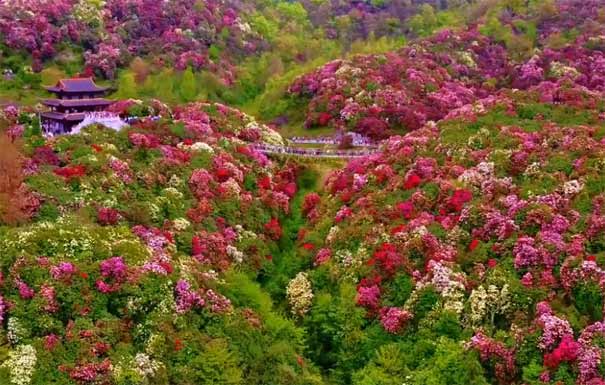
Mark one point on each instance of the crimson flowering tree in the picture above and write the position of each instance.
(17, 203)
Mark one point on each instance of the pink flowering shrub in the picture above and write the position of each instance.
(393, 319)
(91, 372)
(368, 296)
(504, 357)
(114, 272)
(186, 299)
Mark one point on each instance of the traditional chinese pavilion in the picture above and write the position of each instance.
(75, 98)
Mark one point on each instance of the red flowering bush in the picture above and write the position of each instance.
(273, 229)
(388, 258)
(71, 172)
(310, 202)
(108, 216)
(567, 351)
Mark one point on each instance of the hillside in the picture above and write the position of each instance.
(155, 47)
(529, 48)
(456, 240)
(121, 222)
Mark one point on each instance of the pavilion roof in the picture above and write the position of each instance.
(76, 85)
(76, 116)
(77, 102)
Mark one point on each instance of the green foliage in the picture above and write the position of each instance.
(266, 28)
(427, 299)
(399, 289)
(531, 373)
(450, 365)
(214, 52)
(293, 12)
(48, 212)
(588, 299)
(386, 368)
(334, 327)
(448, 325)
(127, 86)
(51, 75)
(561, 163)
(188, 89)
(424, 22)
(215, 365)
(564, 375)
(496, 30)
(163, 85)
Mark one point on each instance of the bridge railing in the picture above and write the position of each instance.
(105, 118)
(312, 152)
(357, 140)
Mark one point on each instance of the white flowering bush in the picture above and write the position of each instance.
(486, 304)
(300, 294)
(21, 364)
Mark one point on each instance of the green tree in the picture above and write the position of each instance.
(127, 85)
(425, 21)
(450, 365)
(163, 85)
(387, 368)
(188, 87)
(266, 28)
(216, 365)
(294, 11)
(589, 300)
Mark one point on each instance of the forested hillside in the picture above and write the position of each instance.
(150, 47)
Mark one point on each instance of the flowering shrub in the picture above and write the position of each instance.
(108, 216)
(566, 351)
(21, 364)
(394, 319)
(300, 294)
(273, 229)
